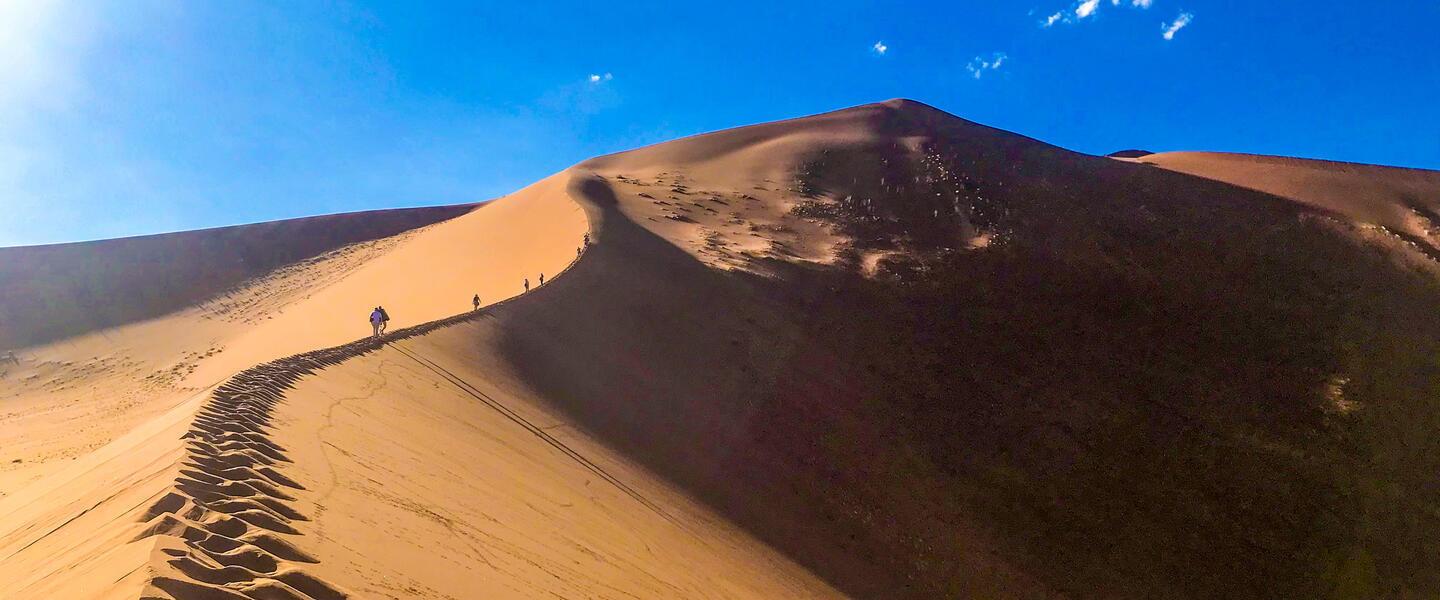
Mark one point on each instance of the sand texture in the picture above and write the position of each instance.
(882, 352)
(1406, 202)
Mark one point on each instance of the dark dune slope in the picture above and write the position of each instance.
(1147, 385)
(57, 291)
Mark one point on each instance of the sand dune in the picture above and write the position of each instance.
(216, 516)
(1406, 201)
(1039, 341)
(80, 392)
(489, 253)
(62, 290)
(878, 353)
(476, 488)
(72, 400)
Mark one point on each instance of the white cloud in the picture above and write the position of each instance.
(978, 66)
(596, 78)
(1179, 23)
(1085, 9)
(879, 48)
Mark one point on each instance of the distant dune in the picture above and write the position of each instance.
(61, 290)
(1406, 201)
(881, 352)
(1129, 154)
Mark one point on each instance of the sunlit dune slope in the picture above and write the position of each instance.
(90, 426)
(61, 290)
(346, 471)
(1406, 201)
(73, 395)
(74, 533)
(490, 253)
(431, 470)
(882, 352)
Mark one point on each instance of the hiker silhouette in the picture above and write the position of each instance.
(476, 301)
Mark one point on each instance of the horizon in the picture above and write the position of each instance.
(170, 118)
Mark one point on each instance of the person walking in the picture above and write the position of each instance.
(376, 318)
(527, 285)
(384, 319)
(476, 301)
(542, 279)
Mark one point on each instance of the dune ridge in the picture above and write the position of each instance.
(90, 425)
(71, 396)
(1400, 201)
(218, 528)
(882, 352)
(221, 532)
(1059, 346)
(61, 290)
(236, 523)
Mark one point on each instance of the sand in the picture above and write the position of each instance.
(96, 386)
(1404, 201)
(122, 494)
(474, 489)
(717, 399)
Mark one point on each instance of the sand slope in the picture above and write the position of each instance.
(935, 359)
(62, 290)
(71, 396)
(475, 489)
(338, 471)
(489, 252)
(1406, 201)
(79, 397)
(880, 353)
(72, 534)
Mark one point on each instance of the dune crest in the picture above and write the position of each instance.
(71, 410)
(1403, 201)
(223, 513)
(882, 352)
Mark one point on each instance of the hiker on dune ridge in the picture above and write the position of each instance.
(376, 318)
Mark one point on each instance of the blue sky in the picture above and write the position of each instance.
(134, 117)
